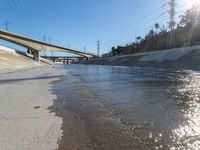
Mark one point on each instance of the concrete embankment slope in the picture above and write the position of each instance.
(186, 58)
(11, 61)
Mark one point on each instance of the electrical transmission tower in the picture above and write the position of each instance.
(98, 48)
(172, 23)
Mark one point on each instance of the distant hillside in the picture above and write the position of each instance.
(11, 61)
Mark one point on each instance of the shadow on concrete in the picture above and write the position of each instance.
(28, 79)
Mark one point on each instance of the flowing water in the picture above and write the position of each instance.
(160, 106)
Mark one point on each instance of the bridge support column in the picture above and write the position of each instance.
(87, 59)
(36, 55)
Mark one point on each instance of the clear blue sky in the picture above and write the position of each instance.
(81, 22)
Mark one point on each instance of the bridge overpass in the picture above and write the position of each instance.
(37, 46)
(64, 59)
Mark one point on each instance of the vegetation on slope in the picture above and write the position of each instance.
(186, 33)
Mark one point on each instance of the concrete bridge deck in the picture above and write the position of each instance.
(36, 46)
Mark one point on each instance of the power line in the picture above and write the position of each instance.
(162, 14)
(8, 13)
(172, 13)
(138, 28)
(143, 19)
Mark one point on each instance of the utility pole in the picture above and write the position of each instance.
(85, 50)
(50, 43)
(98, 47)
(44, 39)
(6, 24)
(172, 23)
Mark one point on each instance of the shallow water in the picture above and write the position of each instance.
(160, 106)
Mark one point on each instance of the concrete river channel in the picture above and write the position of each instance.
(122, 108)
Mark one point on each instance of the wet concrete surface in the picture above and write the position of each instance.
(121, 108)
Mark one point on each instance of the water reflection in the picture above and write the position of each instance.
(160, 106)
(187, 135)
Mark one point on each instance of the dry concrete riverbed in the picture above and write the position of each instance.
(26, 123)
(80, 107)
